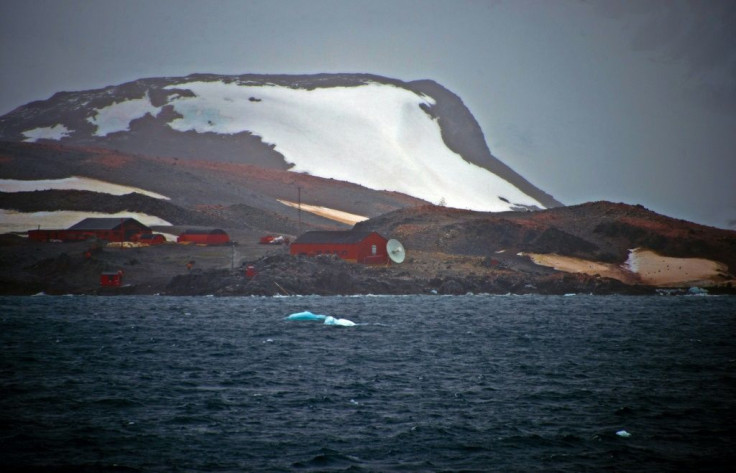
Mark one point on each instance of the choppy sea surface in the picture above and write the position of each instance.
(421, 383)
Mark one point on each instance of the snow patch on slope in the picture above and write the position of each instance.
(12, 221)
(73, 183)
(117, 117)
(55, 132)
(658, 270)
(373, 135)
(326, 212)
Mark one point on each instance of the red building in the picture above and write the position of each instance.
(360, 247)
(204, 237)
(109, 229)
(111, 279)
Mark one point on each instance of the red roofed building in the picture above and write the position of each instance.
(108, 228)
(360, 247)
(111, 279)
(204, 237)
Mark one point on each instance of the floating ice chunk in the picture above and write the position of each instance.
(623, 433)
(306, 315)
(697, 291)
(330, 320)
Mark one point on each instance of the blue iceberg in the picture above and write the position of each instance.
(306, 315)
(328, 319)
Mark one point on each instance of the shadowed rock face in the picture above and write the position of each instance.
(462, 134)
(248, 193)
(151, 135)
(596, 231)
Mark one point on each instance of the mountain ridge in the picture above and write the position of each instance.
(598, 247)
(74, 118)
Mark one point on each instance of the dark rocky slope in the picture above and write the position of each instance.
(448, 252)
(600, 231)
(151, 135)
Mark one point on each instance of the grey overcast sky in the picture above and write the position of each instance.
(624, 100)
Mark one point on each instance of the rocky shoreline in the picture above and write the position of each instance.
(56, 269)
(286, 275)
(28, 268)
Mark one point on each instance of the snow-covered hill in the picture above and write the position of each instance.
(415, 138)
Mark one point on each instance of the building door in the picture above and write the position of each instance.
(373, 250)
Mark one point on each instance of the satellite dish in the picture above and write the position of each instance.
(396, 251)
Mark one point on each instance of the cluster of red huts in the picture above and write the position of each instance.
(125, 229)
(354, 246)
(360, 247)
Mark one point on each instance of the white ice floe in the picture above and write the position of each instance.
(55, 132)
(73, 183)
(117, 117)
(12, 221)
(330, 320)
(374, 135)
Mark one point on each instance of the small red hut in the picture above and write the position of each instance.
(108, 228)
(360, 247)
(204, 237)
(111, 279)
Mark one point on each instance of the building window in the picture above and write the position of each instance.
(373, 250)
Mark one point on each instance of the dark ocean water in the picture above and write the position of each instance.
(471, 383)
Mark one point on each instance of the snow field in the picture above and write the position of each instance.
(11, 221)
(374, 135)
(73, 183)
(660, 270)
(55, 132)
(117, 117)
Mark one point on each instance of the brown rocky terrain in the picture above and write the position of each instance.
(598, 231)
(192, 183)
(449, 251)
(62, 268)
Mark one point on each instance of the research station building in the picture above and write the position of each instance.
(359, 247)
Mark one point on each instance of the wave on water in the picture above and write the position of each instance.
(543, 383)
